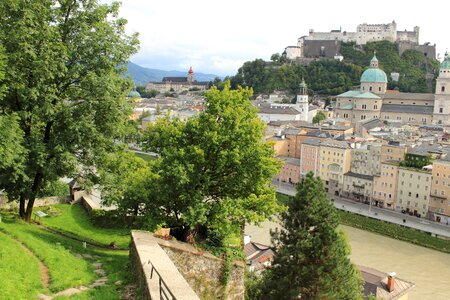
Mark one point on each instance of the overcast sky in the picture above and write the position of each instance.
(218, 36)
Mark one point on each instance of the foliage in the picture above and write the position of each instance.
(54, 188)
(332, 77)
(253, 286)
(146, 93)
(125, 180)
(145, 114)
(311, 258)
(65, 87)
(412, 64)
(148, 158)
(74, 221)
(395, 231)
(416, 161)
(283, 199)
(214, 170)
(18, 285)
(320, 116)
(323, 76)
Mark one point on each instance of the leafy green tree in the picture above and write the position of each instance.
(311, 259)
(215, 170)
(65, 87)
(146, 94)
(320, 116)
(125, 180)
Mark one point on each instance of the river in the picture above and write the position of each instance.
(428, 269)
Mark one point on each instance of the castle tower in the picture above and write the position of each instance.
(190, 77)
(374, 79)
(302, 104)
(441, 113)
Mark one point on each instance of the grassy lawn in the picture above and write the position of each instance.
(74, 221)
(65, 269)
(15, 284)
(20, 275)
(145, 157)
(394, 231)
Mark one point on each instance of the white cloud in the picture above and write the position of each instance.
(216, 37)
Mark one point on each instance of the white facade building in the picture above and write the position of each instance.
(441, 114)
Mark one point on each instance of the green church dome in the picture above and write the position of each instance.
(134, 94)
(374, 75)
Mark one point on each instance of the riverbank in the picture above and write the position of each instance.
(394, 231)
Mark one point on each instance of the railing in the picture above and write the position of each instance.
(164, 291)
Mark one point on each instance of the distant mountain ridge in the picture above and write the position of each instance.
(141, 76)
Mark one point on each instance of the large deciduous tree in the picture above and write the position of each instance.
(311, 259)
(64, 86)
(215, 169)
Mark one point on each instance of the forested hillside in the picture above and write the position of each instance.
(331, 77)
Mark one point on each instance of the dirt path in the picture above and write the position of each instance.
(45, 277)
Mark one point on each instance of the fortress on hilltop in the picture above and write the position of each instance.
(328, 44)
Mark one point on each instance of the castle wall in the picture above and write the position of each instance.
(321, 48)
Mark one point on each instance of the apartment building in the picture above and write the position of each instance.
(385, 185)
(439, 209)
(334, 162)
(413, 190)
(310, 156)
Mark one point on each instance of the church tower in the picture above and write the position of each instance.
(441, 113)
(302, 104)
(190, 78)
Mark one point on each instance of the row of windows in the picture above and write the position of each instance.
(415, 204)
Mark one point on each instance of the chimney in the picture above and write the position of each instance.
(391, 282)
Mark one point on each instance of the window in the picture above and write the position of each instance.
(409, 194)
(441, 110)
(442, 88)
(375, 107)
(379, 88)
(364, 106)
(370, 88)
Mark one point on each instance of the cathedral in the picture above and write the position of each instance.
(178, 84)
(374, 101)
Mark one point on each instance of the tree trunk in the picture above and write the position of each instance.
(34, 189)
(22, 205)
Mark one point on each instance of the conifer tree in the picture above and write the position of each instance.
(311, 259)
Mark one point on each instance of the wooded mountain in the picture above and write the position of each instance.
(142, 76)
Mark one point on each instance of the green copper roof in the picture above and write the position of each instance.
(374, 75)
(446, 63)
(349, 94)
(374, 58)
(134, 94)
(367, 95)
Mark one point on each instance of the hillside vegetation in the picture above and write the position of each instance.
(331, 77)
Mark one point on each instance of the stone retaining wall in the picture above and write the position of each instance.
(148, 258)
(37, 202)
(201, 270)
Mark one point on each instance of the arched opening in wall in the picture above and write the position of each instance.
(379, 88)
(442, 88)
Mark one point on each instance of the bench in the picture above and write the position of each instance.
(40, 214)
